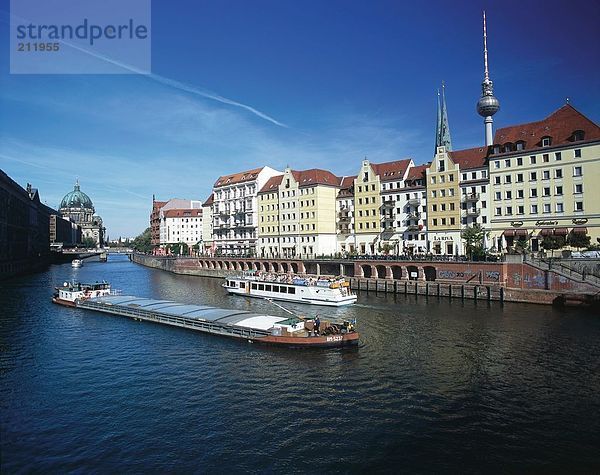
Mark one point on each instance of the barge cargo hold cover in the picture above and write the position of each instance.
(255, 327)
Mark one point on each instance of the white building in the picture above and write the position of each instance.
(181, 226)
(346, 237)
(235, 210)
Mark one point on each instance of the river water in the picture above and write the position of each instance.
(436, 385)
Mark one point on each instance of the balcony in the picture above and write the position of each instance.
(473, 211)
(414, 215)
(345, 218)
(388, 204)
(471, 197)
(414, 227)
(414, 201)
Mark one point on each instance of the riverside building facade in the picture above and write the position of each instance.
(234, 211)
(544, 177)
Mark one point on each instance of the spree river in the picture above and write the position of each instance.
(436, 385)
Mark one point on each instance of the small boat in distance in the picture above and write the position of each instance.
(316, 291)
(76, 263)
(72, 292)
(288, 331)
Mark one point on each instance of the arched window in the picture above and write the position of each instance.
(578, 135)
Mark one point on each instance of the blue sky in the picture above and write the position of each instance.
(340, 80)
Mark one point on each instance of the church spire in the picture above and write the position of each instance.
(442, 133)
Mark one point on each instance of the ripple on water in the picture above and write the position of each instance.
(434, 386)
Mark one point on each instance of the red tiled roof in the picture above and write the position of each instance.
(241, 177)
(315, 176)
(312, 177)
(470, 157)
(182, 213)
(271, 184)
(391, 170)
(417, 172)
(210, 200)
(347, 181)
(559, 125)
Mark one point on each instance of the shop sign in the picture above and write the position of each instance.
(516, 224)
(580, 220)
(546, 223)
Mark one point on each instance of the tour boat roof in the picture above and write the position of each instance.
(200, 312)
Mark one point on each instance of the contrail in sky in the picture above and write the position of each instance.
(178, 85)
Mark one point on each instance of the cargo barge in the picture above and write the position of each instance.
(293, 331)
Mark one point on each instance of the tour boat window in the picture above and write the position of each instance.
(261, 286)
(268, 288)
(254, 287)
(275, 288)
(291, 290)
(242, 285)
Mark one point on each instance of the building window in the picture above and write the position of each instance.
(507, 179)
(557, 156)
(520, 209)
(520, 145)
(534, 209)
(532, 160)
(464, 176)
(519, 161)
(546, 175)
(579, 206)
(441, 166)
(547, 208)
(450, 177)
(433, 208)
(546, 191)
(497, 180)
(578, 188)
(546, 158)
(498, 211)
(577, 153)
(507, 163)
(533, 193)
(533, 176)
(443, 221)
(559, 208)
(519, 178)
(497, 164)
(435, 221)
(546, 141)
(559, 190)
(520, 194)
(577, 171)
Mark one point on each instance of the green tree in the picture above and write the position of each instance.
(88, 242)
(522, 245)
(473, 237)
(142, 243)
(579, 240)
(552, 243)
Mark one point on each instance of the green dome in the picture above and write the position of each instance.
(76, 199)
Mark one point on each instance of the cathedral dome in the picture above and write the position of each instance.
(76, 199)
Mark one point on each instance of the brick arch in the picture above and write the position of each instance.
(397, 272)
(294, 267)
(265, 266)
(366, 270)
(411, 270)
(380, 271)
(256, 266)
(430, 273)
(275, 266)
(284, 267)
(214, 264)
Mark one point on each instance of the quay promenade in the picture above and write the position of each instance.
(514, 279)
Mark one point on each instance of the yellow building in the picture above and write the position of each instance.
(544, 180)
(297, 214)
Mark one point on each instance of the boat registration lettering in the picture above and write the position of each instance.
(335, 338)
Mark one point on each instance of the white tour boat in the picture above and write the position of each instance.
(321, 291)
(76, 263)
(72, 292)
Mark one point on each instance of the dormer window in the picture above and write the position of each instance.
(496, 149)
(578, 135)
(508, 147)
(546, 141)
(520, 145)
